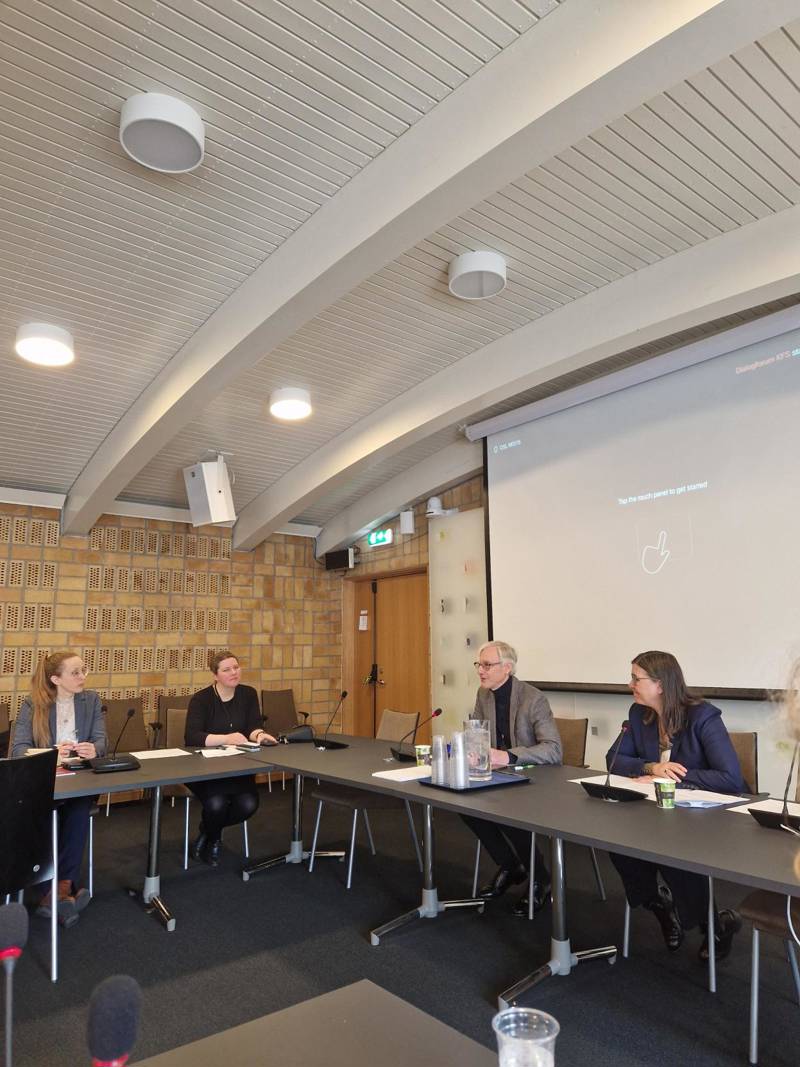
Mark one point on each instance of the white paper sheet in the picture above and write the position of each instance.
(769, 805)
(160, 753)
(684, 798)
(404, 774)
(225, 750)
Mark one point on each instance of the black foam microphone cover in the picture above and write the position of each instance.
(13, 926)
(113, 1024)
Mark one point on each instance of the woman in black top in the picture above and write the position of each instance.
(226, 713)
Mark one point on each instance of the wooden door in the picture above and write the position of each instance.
(393, 651)
(403, 647)
(363, 694)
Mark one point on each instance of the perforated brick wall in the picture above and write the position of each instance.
(143, 602)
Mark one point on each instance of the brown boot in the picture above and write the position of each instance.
(67, 912)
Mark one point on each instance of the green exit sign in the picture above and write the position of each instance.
(380, 537)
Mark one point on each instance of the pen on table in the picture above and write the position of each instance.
(512, 768)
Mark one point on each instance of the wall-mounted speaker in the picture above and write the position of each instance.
(208, 489)
(344, 560)
(407, 522)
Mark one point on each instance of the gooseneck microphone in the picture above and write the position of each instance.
(623, 730)
(325, 743)
(113, 1025)
(125, 762)
(605, 790)
(13, 938)
(400, 753)
(789, 822)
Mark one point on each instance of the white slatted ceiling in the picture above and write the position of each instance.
(296, 98)
(379, 473)
(713, 154)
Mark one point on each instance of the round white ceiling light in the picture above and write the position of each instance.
(477, 275)
(162, 133)
(290, 404)
(49, 346)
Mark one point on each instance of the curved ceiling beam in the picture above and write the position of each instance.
(584, 65)
(451, 465)
(735, 271)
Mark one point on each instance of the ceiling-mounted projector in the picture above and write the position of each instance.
(208, 489)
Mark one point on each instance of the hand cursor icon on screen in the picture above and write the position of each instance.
(655, 556)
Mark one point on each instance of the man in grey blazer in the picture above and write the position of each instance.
(522, 730)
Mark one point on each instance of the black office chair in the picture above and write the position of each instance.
(30, 834)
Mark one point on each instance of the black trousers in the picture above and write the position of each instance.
(689, 890)
(73, 829)
(226, 802)
(507, 845)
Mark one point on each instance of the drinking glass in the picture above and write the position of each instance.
(526, 1037)
(478, 739)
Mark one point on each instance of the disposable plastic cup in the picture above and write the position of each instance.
(526, 1037)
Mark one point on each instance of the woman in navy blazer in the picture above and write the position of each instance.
(672, 734)
(60, 713)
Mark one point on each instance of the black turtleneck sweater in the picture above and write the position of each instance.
(502, 717)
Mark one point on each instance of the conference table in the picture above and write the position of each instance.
(155, 772)
(710, 842)
(713, 842)
(355, 1026)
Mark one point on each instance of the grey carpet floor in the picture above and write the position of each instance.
(242, 950)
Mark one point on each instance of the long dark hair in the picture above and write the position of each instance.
(676, 698)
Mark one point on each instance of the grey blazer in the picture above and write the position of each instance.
(534, 734)
(89, 723)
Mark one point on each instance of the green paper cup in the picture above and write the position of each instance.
(665, 793)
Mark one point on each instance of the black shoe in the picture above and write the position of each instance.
(541, 894)
(213, 852)
(728, 923)
(669, 921)
(198, 845)
(502, 880)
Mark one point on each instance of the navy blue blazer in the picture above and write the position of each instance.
(703, 747)
(89, 723)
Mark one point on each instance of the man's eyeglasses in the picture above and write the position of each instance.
(480, 666)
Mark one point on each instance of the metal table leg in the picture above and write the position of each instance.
(54, 903)
(296, 853)
(152, 882)
(430, 905)
(562, 958)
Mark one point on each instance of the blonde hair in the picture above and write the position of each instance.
(43, 693)
(215, 658)
(506, 653)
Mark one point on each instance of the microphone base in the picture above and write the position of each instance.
(325, 744)
(612, 793)
(775, 820)
(403, 755)
(109, 764)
